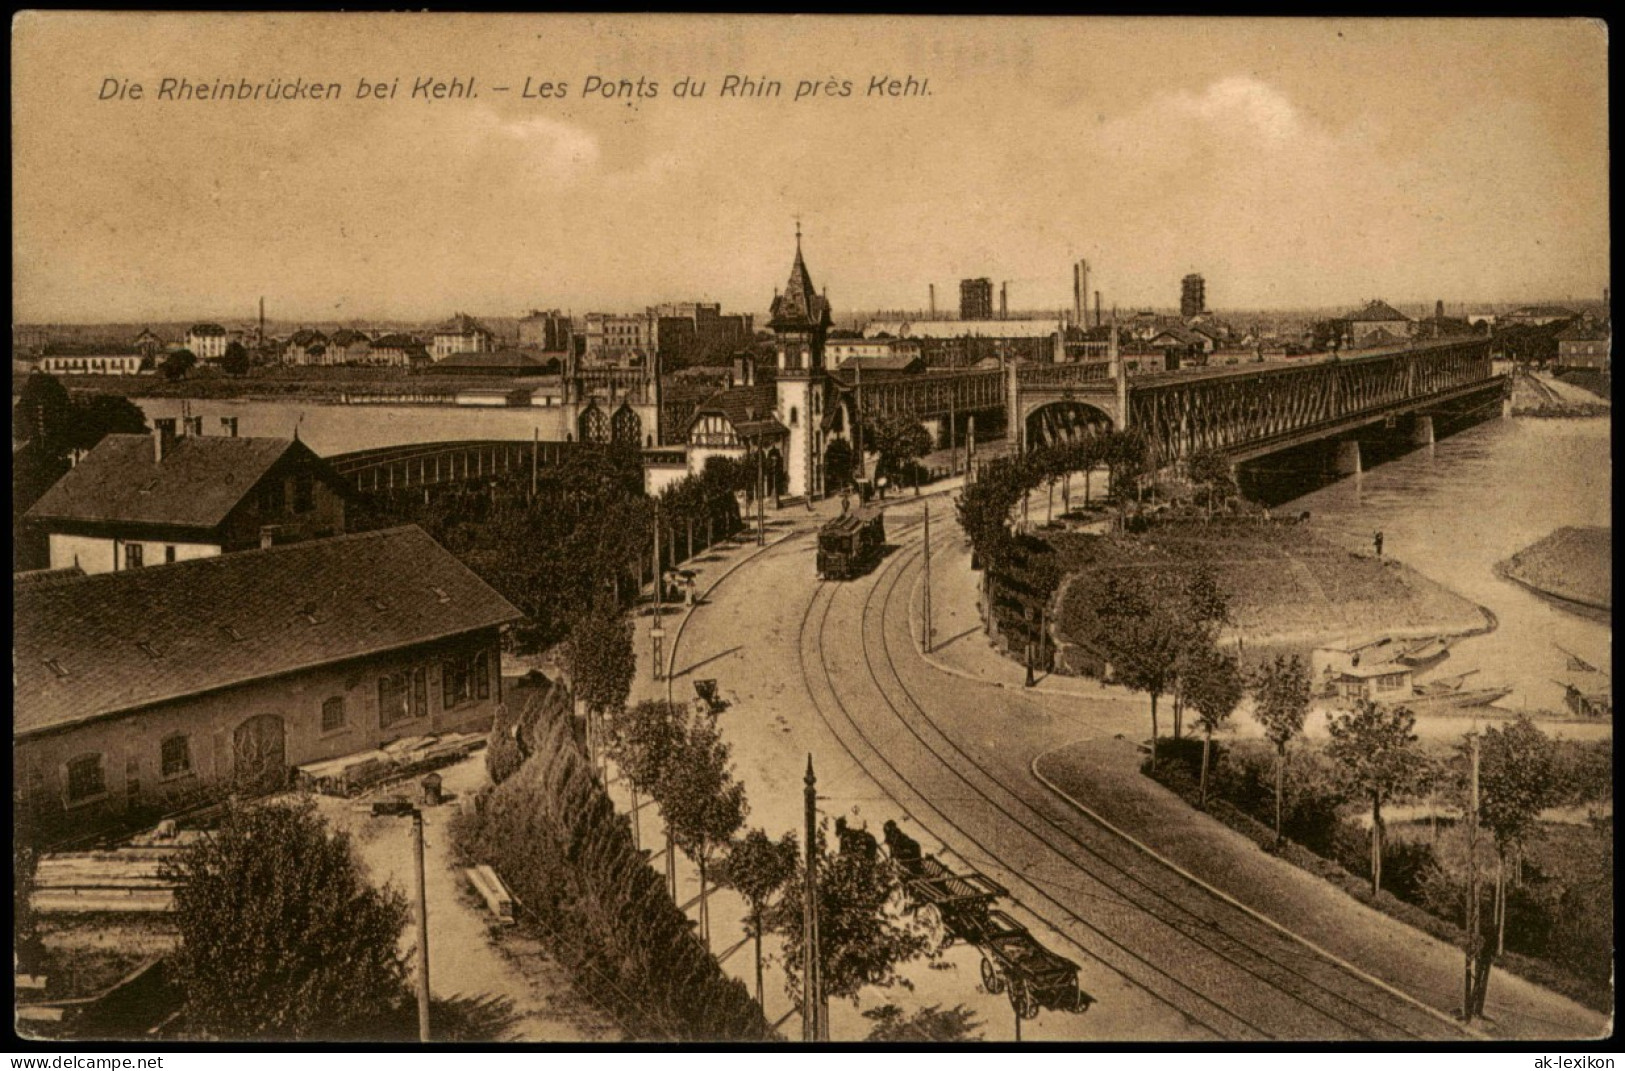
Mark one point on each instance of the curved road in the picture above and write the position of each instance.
(1169, 957)
(1197, 953)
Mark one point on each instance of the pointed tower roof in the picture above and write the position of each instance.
(800, 305)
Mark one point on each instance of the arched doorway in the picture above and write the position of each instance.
(626, 427)
(1065, 421)
(259, 755)
(593, 425)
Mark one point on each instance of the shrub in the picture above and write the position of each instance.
(281, 936)
(552, 833)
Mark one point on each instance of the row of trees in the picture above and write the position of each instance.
(582, 537)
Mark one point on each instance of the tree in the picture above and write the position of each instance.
(1210, 470)
(931, 1024)
(1515, 784)
(644, 740)
(839, 464)
(861, 940)
(1377, 749)
(1281, 703)
(235, 361)
(1212, 685)
(43, 414)
(602, 665)
(758, 867)
(178, 364)
(703, 805)
(899, 439)
(99, 415)
(1144, 651)
(281, 937)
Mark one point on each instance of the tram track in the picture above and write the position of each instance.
(1217, 953)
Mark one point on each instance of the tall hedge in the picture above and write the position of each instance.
(553, 835)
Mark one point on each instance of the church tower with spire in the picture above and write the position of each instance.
(800, 320)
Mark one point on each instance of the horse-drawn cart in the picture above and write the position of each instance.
(1014, 961)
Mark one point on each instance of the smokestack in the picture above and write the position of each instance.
(1077, 296)
(1097, 308)
(1004, 301)
(933, 301)
(1438, 309)
(163, 437)
(261, 339)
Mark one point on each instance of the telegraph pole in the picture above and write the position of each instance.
(925, 629)
(761, 506)
(423, 929)
(812, 1026)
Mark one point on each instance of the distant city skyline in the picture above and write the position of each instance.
(1303, 164)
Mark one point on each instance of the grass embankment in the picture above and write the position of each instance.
(1576, 564)
(1559, 930)
(1289, 589)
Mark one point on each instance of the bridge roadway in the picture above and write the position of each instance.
(1245, 410)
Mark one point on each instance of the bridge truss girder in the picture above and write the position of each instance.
(1235, 414)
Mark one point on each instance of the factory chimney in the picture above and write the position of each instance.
(260, 339)
(1080, 293)
(1004, 301)
(933, 301)
(1097, 308)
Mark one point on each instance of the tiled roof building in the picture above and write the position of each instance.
(133, 689)
(138, 500)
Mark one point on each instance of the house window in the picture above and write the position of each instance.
(391, 700)
(465, 679)
(271, 497)
(420, 693)
(175, 756)
(333, 714)
(304, 493)
(169, 553)
(85, 779)
(133, 555)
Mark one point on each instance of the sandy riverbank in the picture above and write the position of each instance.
(1573, 565)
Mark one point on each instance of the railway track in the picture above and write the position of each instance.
(1194, 952)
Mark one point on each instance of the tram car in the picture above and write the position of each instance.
(851, 544)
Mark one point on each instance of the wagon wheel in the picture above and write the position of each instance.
(1024, 1000)
(991, 978)
(931, 916)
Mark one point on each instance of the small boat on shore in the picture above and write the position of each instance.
(1451, 694)
(1425, 653)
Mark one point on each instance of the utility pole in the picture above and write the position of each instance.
(423, 929)
(761, 506)
(535, 449)
(812, 1026)
(925, 629)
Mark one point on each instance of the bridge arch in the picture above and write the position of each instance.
(626, 427)
(593, 425)
(1064, 420)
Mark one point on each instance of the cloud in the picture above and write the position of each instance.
(1240, 103)
(556, 145)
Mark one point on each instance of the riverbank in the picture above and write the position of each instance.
(1289, 589)
(1572, 565)
(316, 385)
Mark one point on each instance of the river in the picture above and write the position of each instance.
(1456, 509)
(332, 429)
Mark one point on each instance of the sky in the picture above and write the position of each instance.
(1293, 163)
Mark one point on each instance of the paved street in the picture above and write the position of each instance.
(946, 745)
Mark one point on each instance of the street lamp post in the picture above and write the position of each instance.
(423, 928)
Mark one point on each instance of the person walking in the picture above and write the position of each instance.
(1376, 541)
